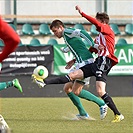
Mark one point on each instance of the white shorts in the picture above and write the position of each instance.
(78, 65)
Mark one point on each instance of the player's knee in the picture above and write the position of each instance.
(100, 86)
(76, 92)
(100, 91)
(67, 88)
(77, 74)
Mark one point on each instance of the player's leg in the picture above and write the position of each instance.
(77, 74)
(75, 99)
(10, 39)
(102, 67)
(82, 93)
(15, 83)
(3, 124)
(108, 100)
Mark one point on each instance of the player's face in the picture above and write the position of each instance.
(57, 31)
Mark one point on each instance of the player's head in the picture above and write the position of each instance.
(102, 17)
(57, 27)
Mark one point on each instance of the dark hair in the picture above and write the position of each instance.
(103, 17)
(56, 23)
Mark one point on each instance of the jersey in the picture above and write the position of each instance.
(106, 38)
(74, 41)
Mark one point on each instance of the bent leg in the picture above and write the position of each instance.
(75, 99)
(77, 90)
(77, 74)
(5, 85)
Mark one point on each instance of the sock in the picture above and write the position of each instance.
(91, 97)
(58, 80)
(4, 85)
(108, 100)
(76, 101)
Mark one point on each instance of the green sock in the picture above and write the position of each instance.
(91, 97)
(76, 101)
(4, 85)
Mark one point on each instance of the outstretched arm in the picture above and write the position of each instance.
(89, 18)
(70, 63)
(10, 39)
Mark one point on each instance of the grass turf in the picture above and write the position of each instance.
(46, 115)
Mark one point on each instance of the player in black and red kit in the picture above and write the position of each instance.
(106, 58)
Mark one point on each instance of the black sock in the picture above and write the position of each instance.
(58, 80)
(108, 100)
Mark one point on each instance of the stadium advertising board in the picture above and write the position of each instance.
(26, 58)
(123, 53)
(125, 59)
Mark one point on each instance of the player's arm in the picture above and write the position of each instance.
(96, 48)
(79, 33)
(84, 34)
(92, 49)
(10, 39)
(89, 18)
(70, 63)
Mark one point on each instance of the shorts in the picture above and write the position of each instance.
(100, 68)
(85, 81)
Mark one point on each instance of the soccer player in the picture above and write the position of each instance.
(103, 63)
(11, 41)
(106, 58)
(82, 56)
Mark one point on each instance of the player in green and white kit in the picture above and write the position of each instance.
(74, 42)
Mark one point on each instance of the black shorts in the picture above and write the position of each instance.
(100, 68)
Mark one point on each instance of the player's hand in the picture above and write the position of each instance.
(79, 9)
(70, 64)
(91, 49)
(38, 81)
(100, 47)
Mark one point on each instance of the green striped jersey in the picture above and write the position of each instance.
(74, 39)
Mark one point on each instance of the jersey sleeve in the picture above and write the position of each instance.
(87, 37)
(103, 28)
(71, 32)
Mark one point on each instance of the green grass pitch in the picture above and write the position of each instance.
(47, 115)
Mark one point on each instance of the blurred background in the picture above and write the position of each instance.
(31, 20)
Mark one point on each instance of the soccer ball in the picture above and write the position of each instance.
(41, 72)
